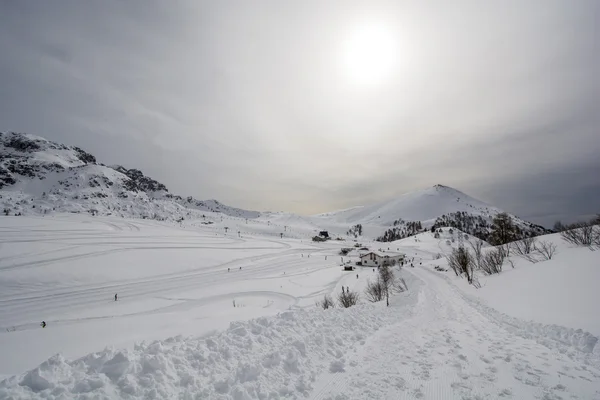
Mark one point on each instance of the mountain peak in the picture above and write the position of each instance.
(39, 176)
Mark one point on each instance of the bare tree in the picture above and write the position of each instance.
(374, 291)
(347, 298)
(546, 249)
(461, 262)
(386, 277)
(326, 302)
(503, 229)
(558, 227)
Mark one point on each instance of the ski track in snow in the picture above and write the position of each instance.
(15, 309)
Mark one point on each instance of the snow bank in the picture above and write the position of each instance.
(553, 302)
(265, 358)
(562, 291)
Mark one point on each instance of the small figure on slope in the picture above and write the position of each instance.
(43, 324)
(116, 297)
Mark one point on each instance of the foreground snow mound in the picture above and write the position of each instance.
(266, 358)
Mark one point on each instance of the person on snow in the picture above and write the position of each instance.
(115, 297)
(43, 324)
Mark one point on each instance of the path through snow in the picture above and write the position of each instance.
(447, 347)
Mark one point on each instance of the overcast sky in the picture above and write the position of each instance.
(258, 104)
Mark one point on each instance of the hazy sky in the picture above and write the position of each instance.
(290, 105)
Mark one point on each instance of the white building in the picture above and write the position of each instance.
(378, 258)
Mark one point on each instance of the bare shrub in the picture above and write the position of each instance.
(461, 262)
(374, 291)
(326, 302)
(492, 261)
(525, 248)
(546, 249)
(347, 298)
(580, 234)
(477, 245)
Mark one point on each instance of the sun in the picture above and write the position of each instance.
(369, 54)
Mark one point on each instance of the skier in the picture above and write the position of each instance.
(115, 297)
(43, 324)
(228, 269)
(356, 276)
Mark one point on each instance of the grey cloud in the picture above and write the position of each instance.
(245, 102)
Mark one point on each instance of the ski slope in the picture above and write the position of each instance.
(175, 333)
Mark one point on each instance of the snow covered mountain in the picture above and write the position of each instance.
(38, 176)
(419, 205)
(437, 206)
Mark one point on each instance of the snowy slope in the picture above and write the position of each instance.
(420, 205)
(41, 177)
(560, 291)
(437, 341)
(438, 205)
(38, 176)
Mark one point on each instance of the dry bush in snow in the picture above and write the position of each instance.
(326, 303)
(525, 248)
(477, 245)
(347, 298)
(492, 261)
(581, 234)
(461, 262)
(374, 291)
(546, 249)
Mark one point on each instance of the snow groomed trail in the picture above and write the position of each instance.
(432, 343)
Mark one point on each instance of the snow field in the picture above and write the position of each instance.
(440, 340)
(170, 280)
(265, 358)
(449, 348)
